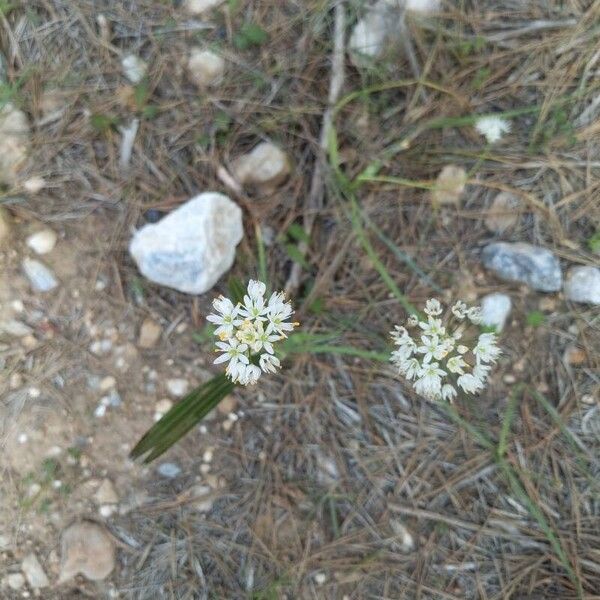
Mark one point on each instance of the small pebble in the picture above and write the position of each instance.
(320, 578)
(40, 277)
(177, 387)
(169, 470)
(208, 455)
(33, 185)
(574, 355)
(134, 68)
(34, 573)
(15, 581)
(150, 332)
(34, 392)
(101, 347)
(16, 381)
(42, 242)
(107, 383)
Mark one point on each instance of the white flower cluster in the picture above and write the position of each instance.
(248, 331)
(442, 361)
(492, 128)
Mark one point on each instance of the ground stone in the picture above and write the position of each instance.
(265, 166)
(34, 573)
(193, 246)
(14, 142)
(42, 241)
(40, 277)
(168, 470)
(15, 581)
(177, 387)
(150, 333)
(449, 185)
(495, 309)
(106, 493)
(15, 328)
(503, 213)
(199, 7)
(202, 500)
(205, 68)
(583, 285)
(368, 38)
(87, 549)
(537, 267)
(134, 68)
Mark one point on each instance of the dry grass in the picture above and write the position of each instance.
(334, 457)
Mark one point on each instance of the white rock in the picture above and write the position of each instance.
(495, 309)
(368, 38)
(198, 7)
(40, 277)
(327, 471)
(202, 500)
(582, 284)
(193, 246)
(266, 165)
(34, 573)
(87, 549)
(423, 6)
(15, 328)
(15, 581)
(134, 68)
(101, 347)
(177, 387)
(503, 213)
(33, 185)
(42, 242)
(205, 68)
(407, 542)
(14, 142)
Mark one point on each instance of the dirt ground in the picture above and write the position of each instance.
(331, 479)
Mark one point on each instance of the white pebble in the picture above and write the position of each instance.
(33, 185)
(204, 468)
(34, 392)
(208, 455)
(22, 439)
(320, 578)
(177, 387)
(134, 68)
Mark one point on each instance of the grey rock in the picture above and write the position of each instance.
(583, 285)
(525, 263)
(193, 246)
(40, 277)
(495, 309)
(177, 387)
(169, 470)
(34, 573)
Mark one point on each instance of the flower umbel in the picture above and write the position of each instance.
(249, 331)
(434, 362)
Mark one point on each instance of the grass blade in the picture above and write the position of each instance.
(182, 418)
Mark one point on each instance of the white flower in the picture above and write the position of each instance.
(475, 315)
(456, 364)
(233, 352)
(492, 127)
(448, 392)
(269, 363)
(438, 365)
(429, 383)
(250, 331)
(264, 338)
(459, 310)
(413, 321)
(470, 383)
(227, 317)
(486, 349)
(433, 308)
(249, 375)
(256, 289)
(432, 327)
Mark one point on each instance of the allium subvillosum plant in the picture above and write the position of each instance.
(248, 333)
